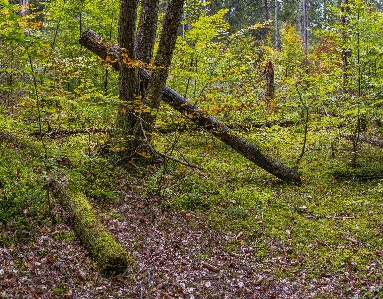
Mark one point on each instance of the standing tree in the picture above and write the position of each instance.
(138, 107)
(346, 53)
(305, 29)
(267, 10)
(276, 30)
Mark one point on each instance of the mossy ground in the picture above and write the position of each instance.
(327, 225)
(324, 226)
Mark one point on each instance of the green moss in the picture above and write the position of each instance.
(359, 174)
(106, 252)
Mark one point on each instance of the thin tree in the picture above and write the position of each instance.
(267, 10)
(299, 18)
(305, 29)
(346, 53)
(24, 4)
(276, 30)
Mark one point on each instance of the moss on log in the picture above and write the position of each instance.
(103, 249)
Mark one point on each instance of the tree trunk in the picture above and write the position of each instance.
(267, 10)
(105, 251)
(305, 30)
(129, 91)
(99, 46)
(24, 4)
(267, 18)
(163, 59)
(299, 19)
(370, 140)
(276, 30)
(269, 78)
(139, 104)
(346, 53)
(146, 33)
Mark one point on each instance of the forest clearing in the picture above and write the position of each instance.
(191, 149)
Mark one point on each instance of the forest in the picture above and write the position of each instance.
(191, 149)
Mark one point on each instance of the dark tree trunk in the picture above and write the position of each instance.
(163, 58)
(269, 78)
(267, 10)
(370, 140)
(276, 29)
(346, 53)
(128, 76)
(24, 8)
(146, 33)
(305, 29)
(99, 46)
(299, 18)
(267, 18)
(132, 123)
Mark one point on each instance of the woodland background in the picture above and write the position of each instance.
(225, 227)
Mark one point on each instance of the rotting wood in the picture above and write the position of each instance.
(108, 255)
(110, 53)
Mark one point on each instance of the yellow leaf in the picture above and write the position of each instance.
(147, 109)
(144, 154)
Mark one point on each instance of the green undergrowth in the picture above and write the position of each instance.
(325, 225)
(22, 197)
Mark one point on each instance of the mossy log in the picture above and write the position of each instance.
(111, 53)
(108, 255)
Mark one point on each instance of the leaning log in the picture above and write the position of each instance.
(110, 53)
(108, 255)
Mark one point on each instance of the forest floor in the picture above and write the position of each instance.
(229, 231)
(176, 255)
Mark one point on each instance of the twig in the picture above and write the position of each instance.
(165, 155)
(178, 160)
(210, 267)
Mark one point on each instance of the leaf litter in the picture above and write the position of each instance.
(175, 255)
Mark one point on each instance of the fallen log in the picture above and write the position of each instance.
(370, 140)
(110, 53)
(108, 255)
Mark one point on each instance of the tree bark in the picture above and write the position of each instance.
(346, 53)
(139, 104)
(269, 78)
(128, 75)
(101, 47)
(163, 58)
(299, 19)
(24, 4)
(267, 10)
(370, 140)
(305, 30)
(105, 251)
(276, 29)
(146, 33)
